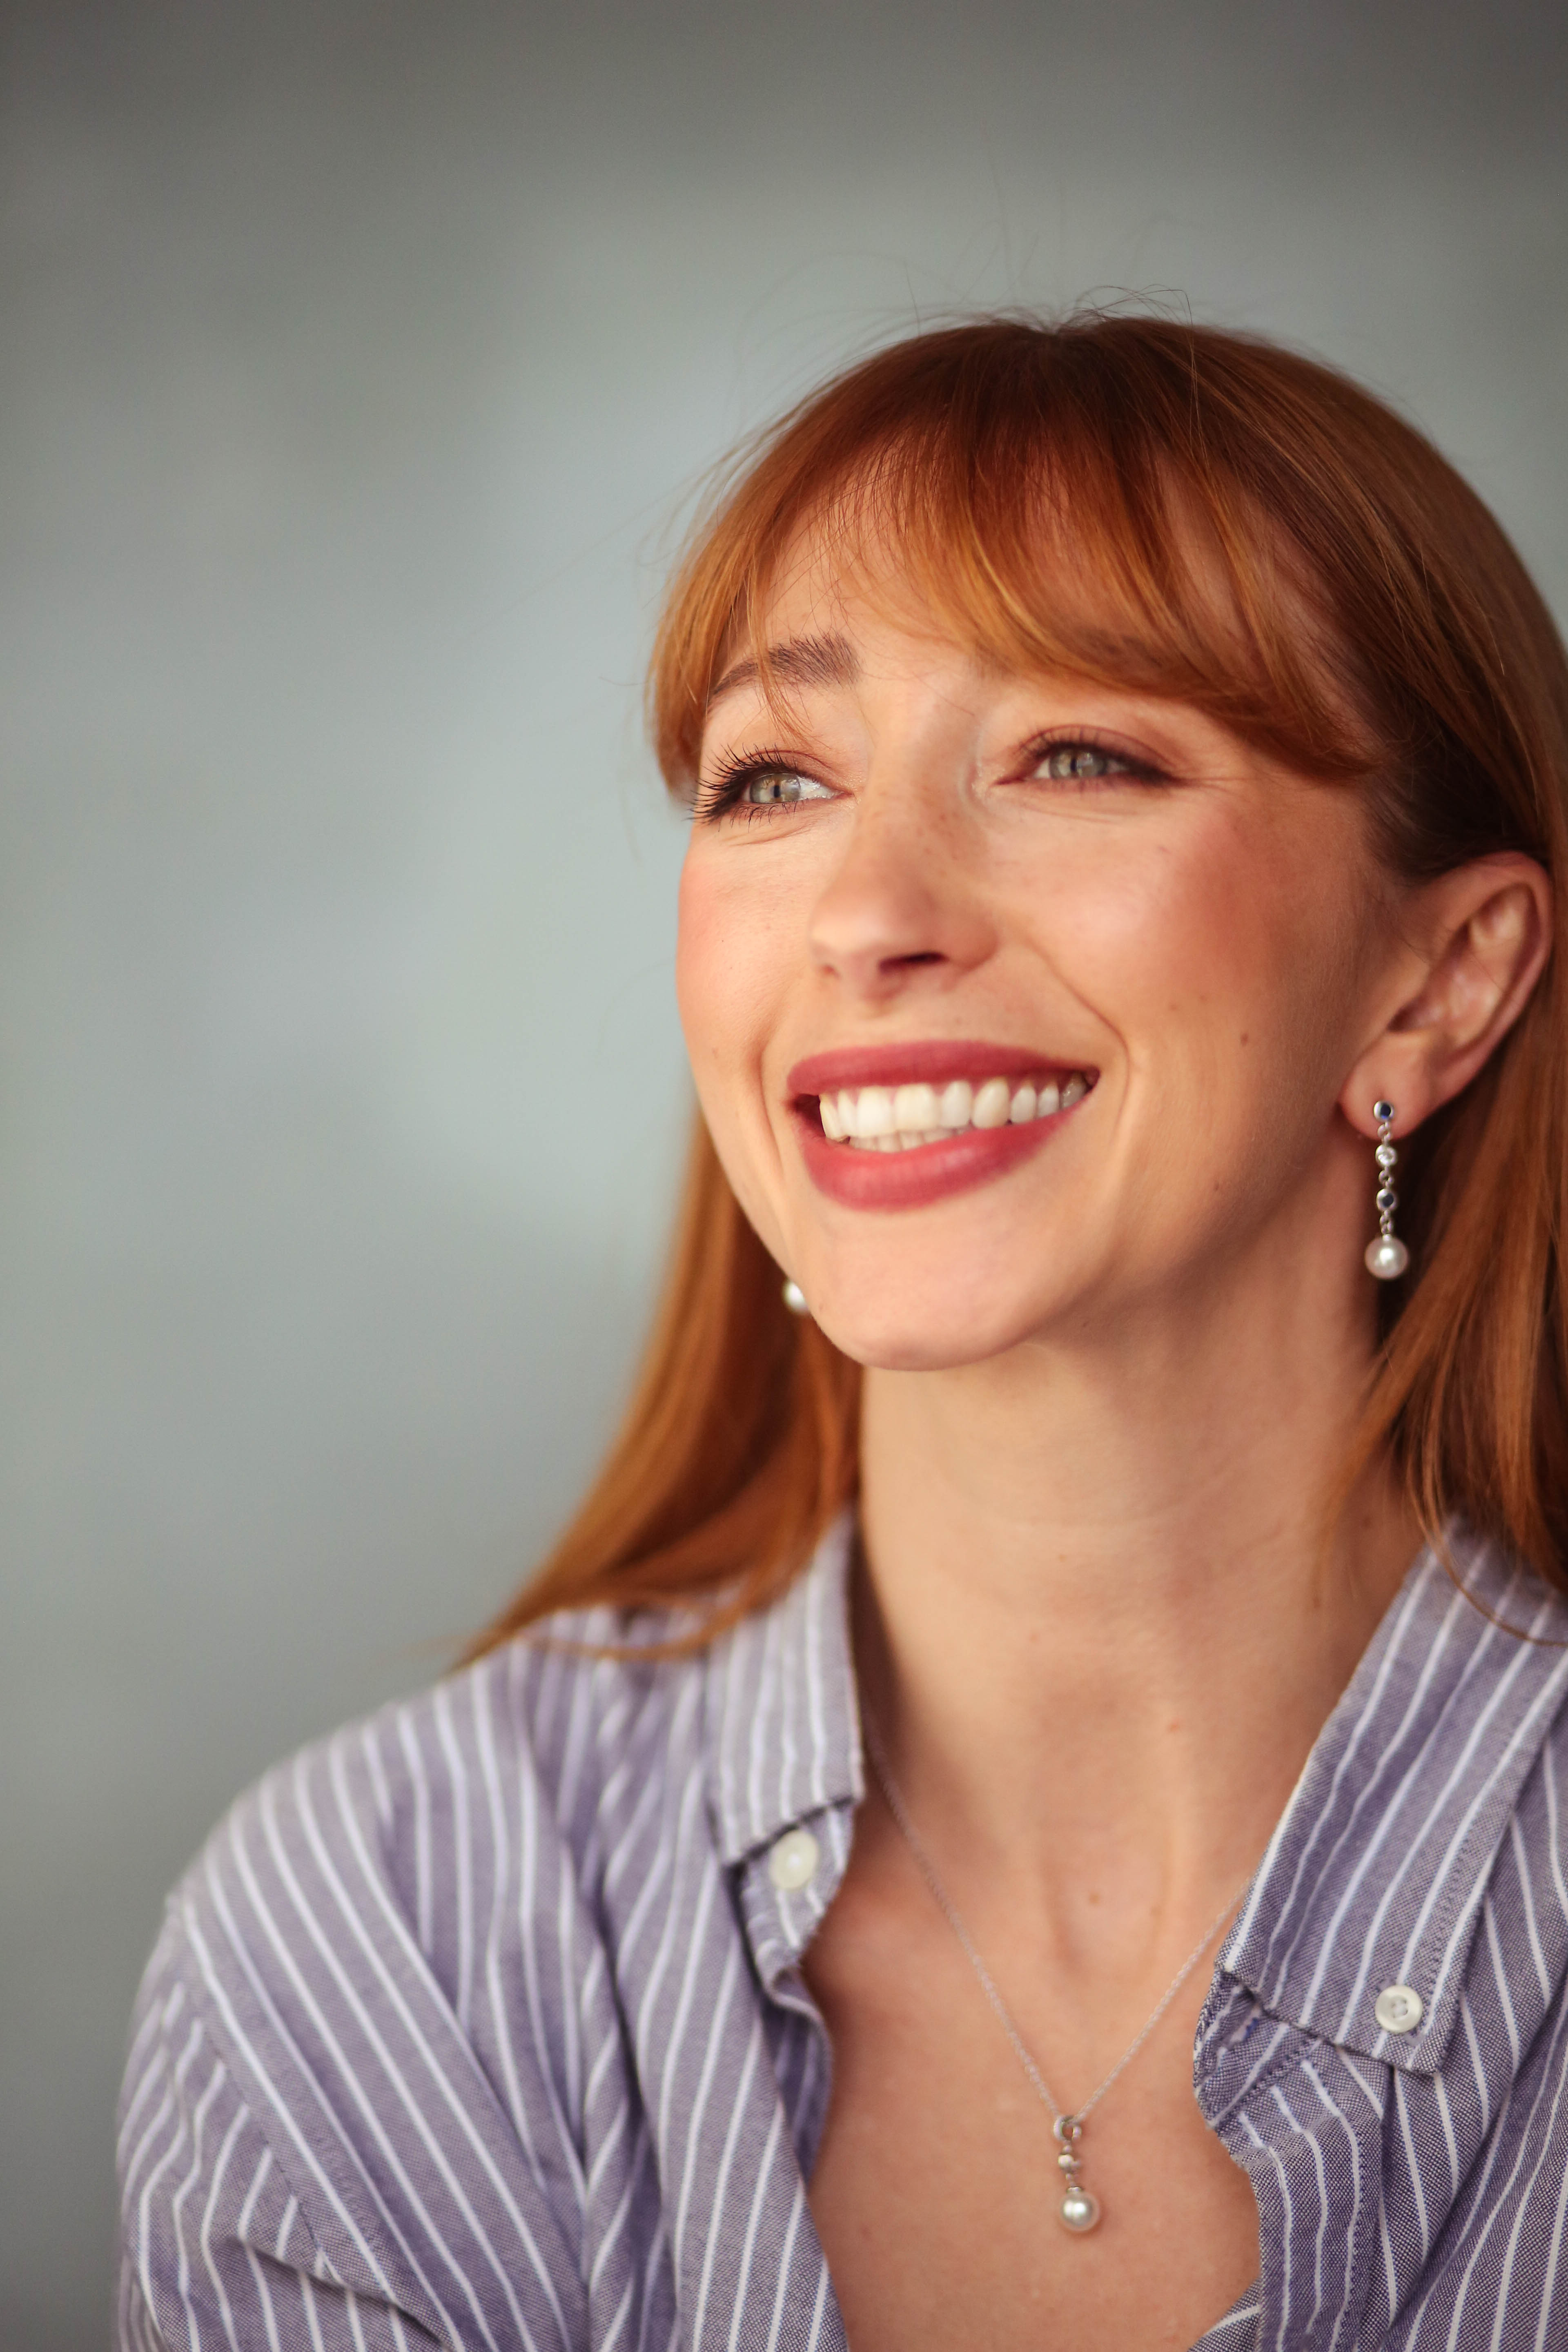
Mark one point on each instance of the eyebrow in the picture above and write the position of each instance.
(829, 660)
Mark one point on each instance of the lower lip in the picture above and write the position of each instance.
(930, 1171)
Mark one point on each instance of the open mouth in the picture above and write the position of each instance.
(905, 1117)
(892, 1127)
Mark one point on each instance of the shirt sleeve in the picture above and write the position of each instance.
(215, 2247)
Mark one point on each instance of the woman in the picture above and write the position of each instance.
(1027, 1808)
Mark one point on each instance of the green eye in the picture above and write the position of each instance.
(778, 788)
(1077, 763)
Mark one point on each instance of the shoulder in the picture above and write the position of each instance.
(402, 1833)
(372, 1981)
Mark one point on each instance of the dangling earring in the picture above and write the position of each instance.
(795, 1296)
(1387, 1257)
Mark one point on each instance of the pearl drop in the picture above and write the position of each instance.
(795, 1297)
(1079, 2211)
(1388, 1257)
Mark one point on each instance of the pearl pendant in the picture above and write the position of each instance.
(1079, 2211)
(1388, 1257)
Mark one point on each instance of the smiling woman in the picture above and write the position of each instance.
(1100, 1641)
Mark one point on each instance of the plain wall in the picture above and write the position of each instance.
(357, 364)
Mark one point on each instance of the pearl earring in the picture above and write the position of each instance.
(795, 1296)
(1387, 1257)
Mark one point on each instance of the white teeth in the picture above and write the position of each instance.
(992, 1103)
(907, 1117)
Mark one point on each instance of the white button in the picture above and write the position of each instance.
(792, 1861)
(1398, 2010)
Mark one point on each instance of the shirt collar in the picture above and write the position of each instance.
(783, 1722)
(1377, 1871)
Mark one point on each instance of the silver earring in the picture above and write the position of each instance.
(1387, 1257)
(795, 1296)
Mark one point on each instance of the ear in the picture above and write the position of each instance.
(1472, 946)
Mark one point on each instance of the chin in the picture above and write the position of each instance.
(936, 1338)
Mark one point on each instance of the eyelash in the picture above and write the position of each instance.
(721, 794)
(1080, 738)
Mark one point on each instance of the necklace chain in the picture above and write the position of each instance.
(1067, 2123)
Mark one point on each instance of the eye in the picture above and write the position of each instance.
(780, 788)
(1082, 764)
(756, 788)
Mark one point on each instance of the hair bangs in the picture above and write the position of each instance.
(1023, 520)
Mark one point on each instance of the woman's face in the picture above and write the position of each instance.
(1014, 1001)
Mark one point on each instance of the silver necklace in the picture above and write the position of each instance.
(1079, 2210)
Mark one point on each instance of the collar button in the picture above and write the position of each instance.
(793, 1859)
(1398, 2010)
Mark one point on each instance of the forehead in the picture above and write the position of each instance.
(809, 628)
(1057, 594)
(1237, 632)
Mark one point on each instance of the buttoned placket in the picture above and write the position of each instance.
(1346, 1968)
(785, 1777)
(781, 1905)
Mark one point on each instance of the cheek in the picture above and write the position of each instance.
(699, 961)
(730, 976)
(1215, 951)
(728, 967)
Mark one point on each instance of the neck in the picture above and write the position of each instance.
(1105, 1572)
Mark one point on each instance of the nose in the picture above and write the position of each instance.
(901, 910)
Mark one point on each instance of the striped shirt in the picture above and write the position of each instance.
(483, 2024)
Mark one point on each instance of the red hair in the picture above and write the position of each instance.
(1202, 516)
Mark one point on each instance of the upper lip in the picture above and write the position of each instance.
(933, 1059)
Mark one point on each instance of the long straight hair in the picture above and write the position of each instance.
(1206, 517)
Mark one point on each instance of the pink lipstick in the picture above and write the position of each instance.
(900, 1127)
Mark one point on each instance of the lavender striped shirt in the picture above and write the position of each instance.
(483, 2024)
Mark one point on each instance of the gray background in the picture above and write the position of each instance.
(357, 363)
